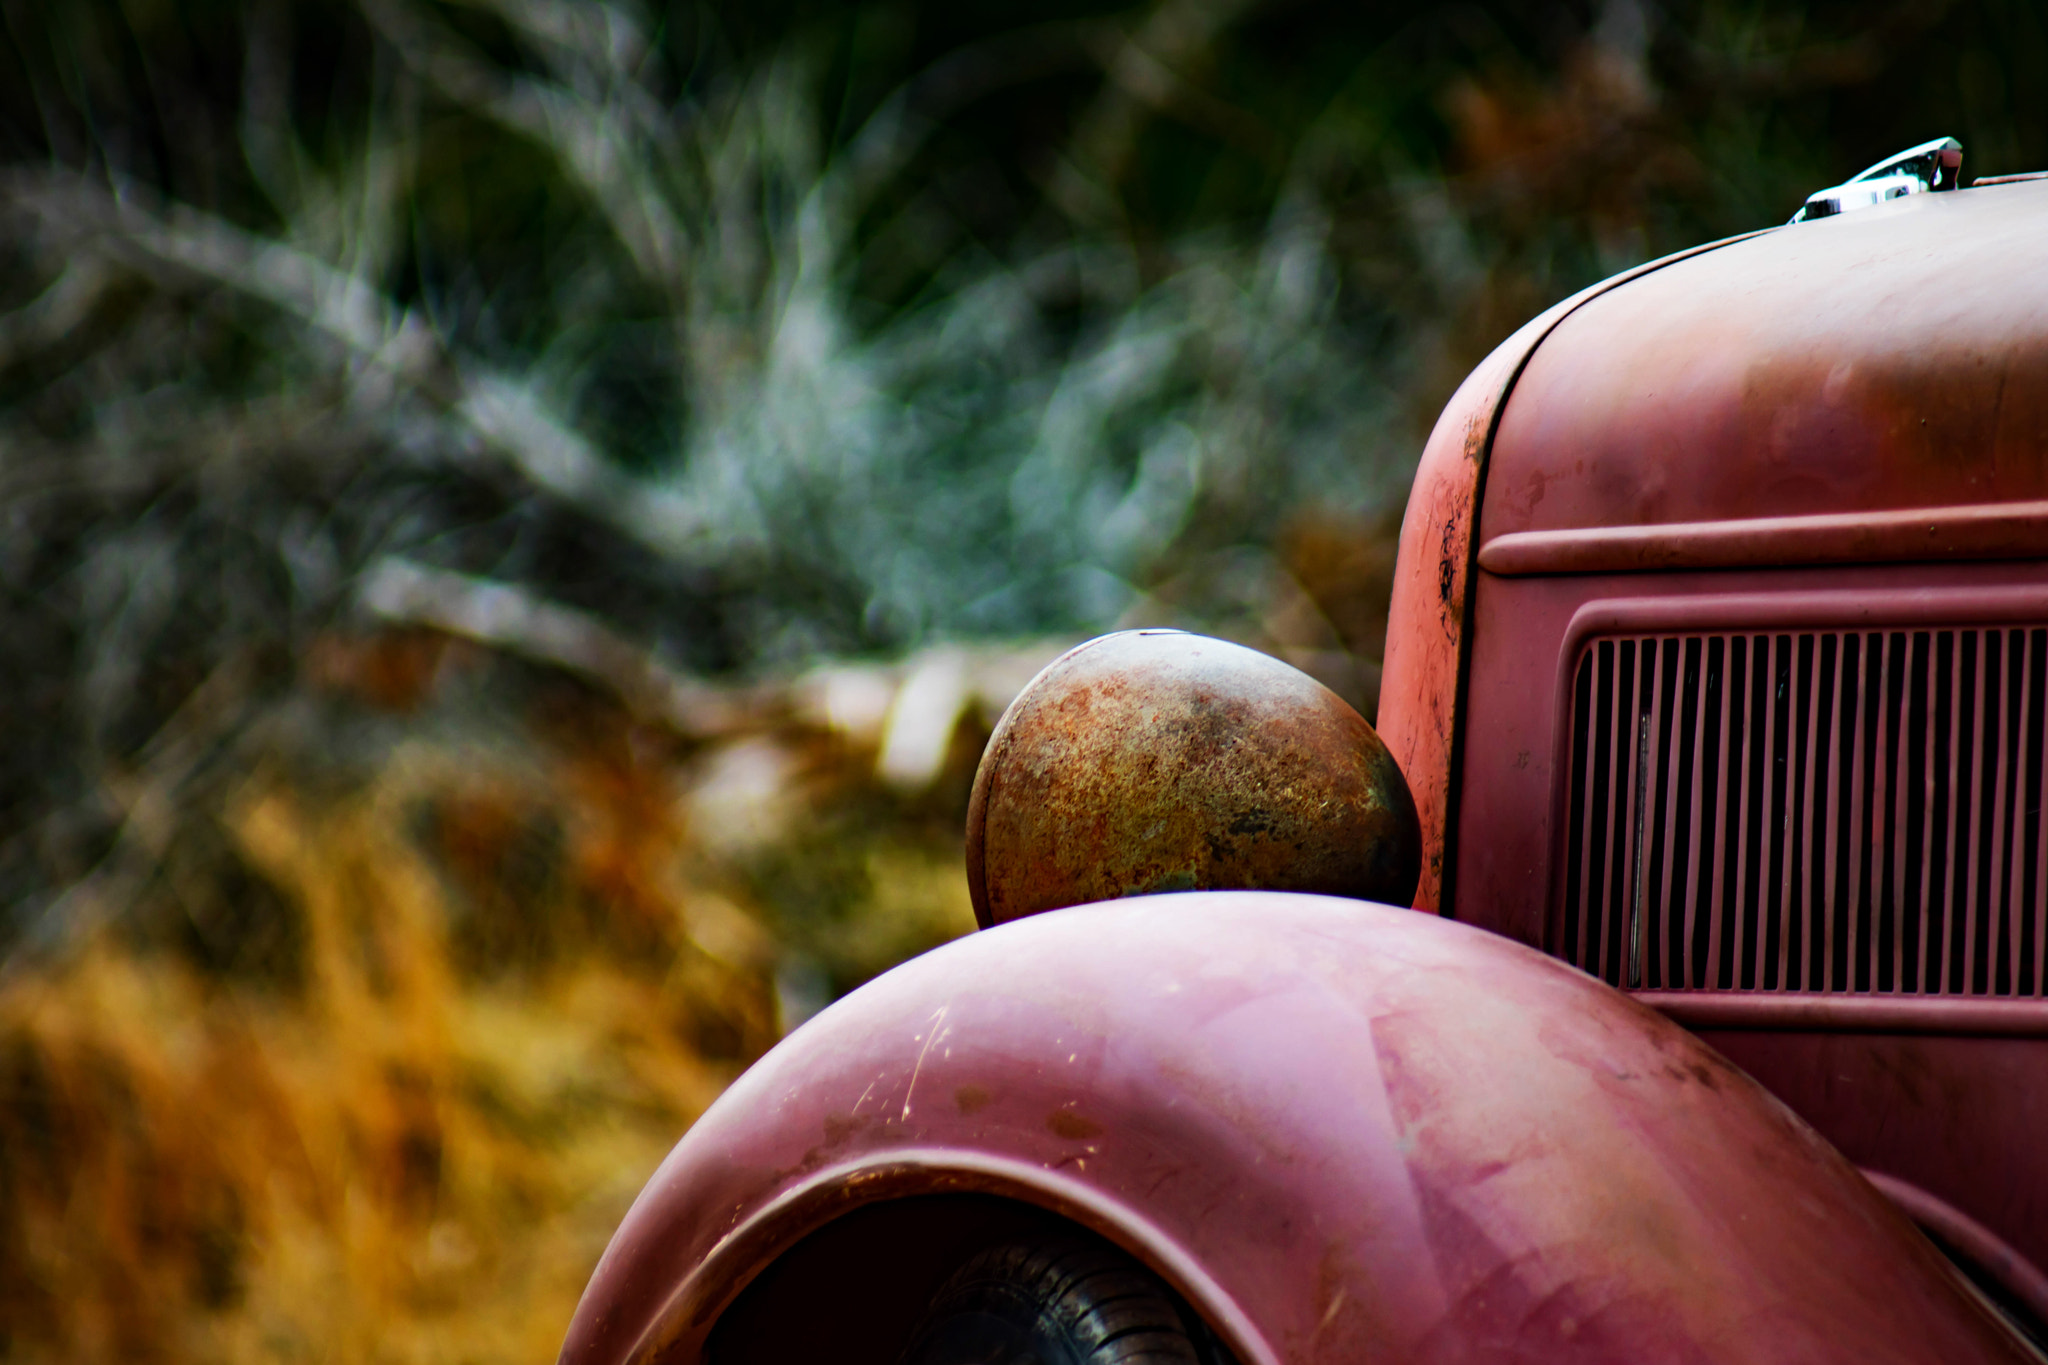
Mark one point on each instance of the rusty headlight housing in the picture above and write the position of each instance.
(1155, 760)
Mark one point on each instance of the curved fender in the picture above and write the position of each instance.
(1345, 1132)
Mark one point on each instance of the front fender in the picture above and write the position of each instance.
(1343, 1131)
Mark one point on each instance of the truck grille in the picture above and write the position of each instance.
(1809, 811)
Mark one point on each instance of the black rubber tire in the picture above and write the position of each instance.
(1061, 1303)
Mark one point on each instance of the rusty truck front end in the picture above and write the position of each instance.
(1715, 726)
(1747, 654)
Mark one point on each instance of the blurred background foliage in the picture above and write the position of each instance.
(519, 514)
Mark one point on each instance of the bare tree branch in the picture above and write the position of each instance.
(503, 411)
(508, 617)
(592, 143)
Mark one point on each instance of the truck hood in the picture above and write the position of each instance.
(1867, 387)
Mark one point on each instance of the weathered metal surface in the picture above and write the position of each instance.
(1999, 530)
(1344, 1132)
(1991, 1254)
(1155, 760)
(1429, 619)
(1806, 791)
(1829, 1012)
(1959, 1118)
(1426, 619)
(1887, 360)
(1516, 785)
(1821, 426)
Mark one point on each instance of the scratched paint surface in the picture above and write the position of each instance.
(1346, 1131)
(1428, 621)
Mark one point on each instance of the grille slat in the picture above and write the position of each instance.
(1703, 972)
(1999, 945)
(1809, 810)
(1727, 949)
(1696, 726)
(1968, 818)
(1831, 819)
(1633, 726)
(2036, 752)
(1852, 854)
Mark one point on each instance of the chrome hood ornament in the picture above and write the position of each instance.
(1936, 165)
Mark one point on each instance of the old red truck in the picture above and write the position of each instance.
(1717, 1029)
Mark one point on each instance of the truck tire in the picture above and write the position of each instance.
(1057, 1303)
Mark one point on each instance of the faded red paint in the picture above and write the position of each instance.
(1970, 1238)
(2002, 530)
(1513, 788)
(1885, 361)
(1155, 760)
(1839, 426)
(1345, 1132)
(1428, 622)
(1955, 1115)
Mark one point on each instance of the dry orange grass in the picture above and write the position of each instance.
(396, 1164)
(518, 978)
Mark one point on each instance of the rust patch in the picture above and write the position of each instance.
(839, 1130)
(1072, 1126)
(1476, 428)
(1154, 761)
(971, 1099)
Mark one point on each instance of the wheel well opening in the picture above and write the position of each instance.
(1995, 1289)
(855, 1290)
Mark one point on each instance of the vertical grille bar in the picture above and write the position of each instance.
(1786, 696)
(1623, 788)
(1571, 943)
(1768, 902)
(1810, 811)
(1901, 905)
(1698, 691)
(2037, 754)
(1651, 686)
(1860, 774)
(1809, 911)
(1710, 973)
(2016, 842)
(1950, 805)
(2002, 920)
(1975, 909)
(1743, 841)
(1824, 979)
(1885, 777)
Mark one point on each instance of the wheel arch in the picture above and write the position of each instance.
(793, 1277)
(1337, 1129)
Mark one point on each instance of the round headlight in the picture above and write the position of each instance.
(1156, 760)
